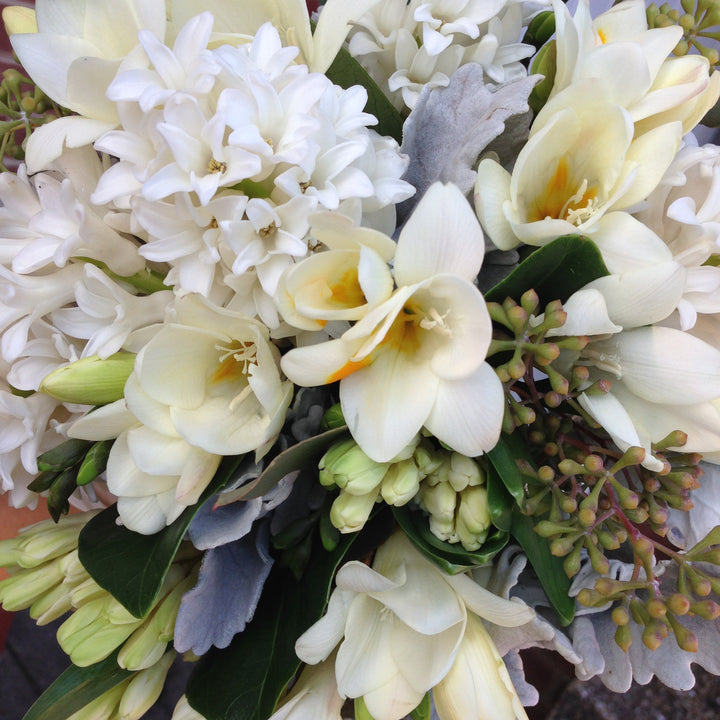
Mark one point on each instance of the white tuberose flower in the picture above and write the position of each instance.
(417, 359)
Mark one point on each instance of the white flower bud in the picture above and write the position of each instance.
(464, 472)
(350, 512)
(144, 689)
(401, 483)
(473, 518)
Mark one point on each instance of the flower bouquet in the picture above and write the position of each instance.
(369, 347)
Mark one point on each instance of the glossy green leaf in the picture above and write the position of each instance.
(451, 557)
(346, 71)
(555, 271)
(77, 687)
(548, 568)
(245, 680)
(302, 455)
(132, 566)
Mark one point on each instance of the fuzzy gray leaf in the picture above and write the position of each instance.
(594, 638)
(216, 525)
(224, 600)
(449, 128)
(686, 529)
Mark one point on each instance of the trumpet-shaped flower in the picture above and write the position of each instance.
(658, 89)
(205, 386)
(661, 380)
(339, 284)
(580, 162)
(417, 359)
(403, 625)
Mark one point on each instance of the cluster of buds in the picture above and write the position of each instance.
(449, 486)
(23, 107)
(587, 509)
(521, 334)
(699, 21)
(47, 577)
(131, 698)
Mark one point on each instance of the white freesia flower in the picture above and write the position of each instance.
(580, 162)
(661, 380)
(405, 627)
(417, 359)
(658, 89)
(339, 284)
(684, 210)
(204, 386)
(219, 377)
(314, 696)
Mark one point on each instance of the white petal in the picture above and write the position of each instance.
(441, 236)
(386, 403)
(467, 413)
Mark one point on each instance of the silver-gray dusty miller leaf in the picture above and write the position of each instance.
(450, 127)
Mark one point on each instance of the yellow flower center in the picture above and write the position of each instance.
(563, 198)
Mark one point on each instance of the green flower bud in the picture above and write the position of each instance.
(90, 380)
(473, 517)
(440, 500)
(464, 472)
(103, 707)
(348, 467)
(401, 483)
(22, 589)
(52, 605)
(144, 689)
(349, 513)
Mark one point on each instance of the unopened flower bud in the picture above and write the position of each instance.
(620, 615)
(348, 467)
(473, 517)
(464, 472)
(439, 500)
(90, 380)
(401, 483)
(349, 513)
(103, 707)
(707, 609)
(52, 605)
(653, 634)
(144, 689)
(623, 637)
(656, 608)
(22, 589)
(427, 458)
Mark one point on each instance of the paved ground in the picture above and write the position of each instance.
(32, 660)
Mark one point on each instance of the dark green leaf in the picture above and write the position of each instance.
(346, 71)
(451, 557)
(245, 680)
(500, 502)
(58, 500)
(510, 448)
(555, 271)
(132, 566)
(302, 455)
(64, 455)
(77, 687)
(548, 568)
(540, 29)
(95, 462)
